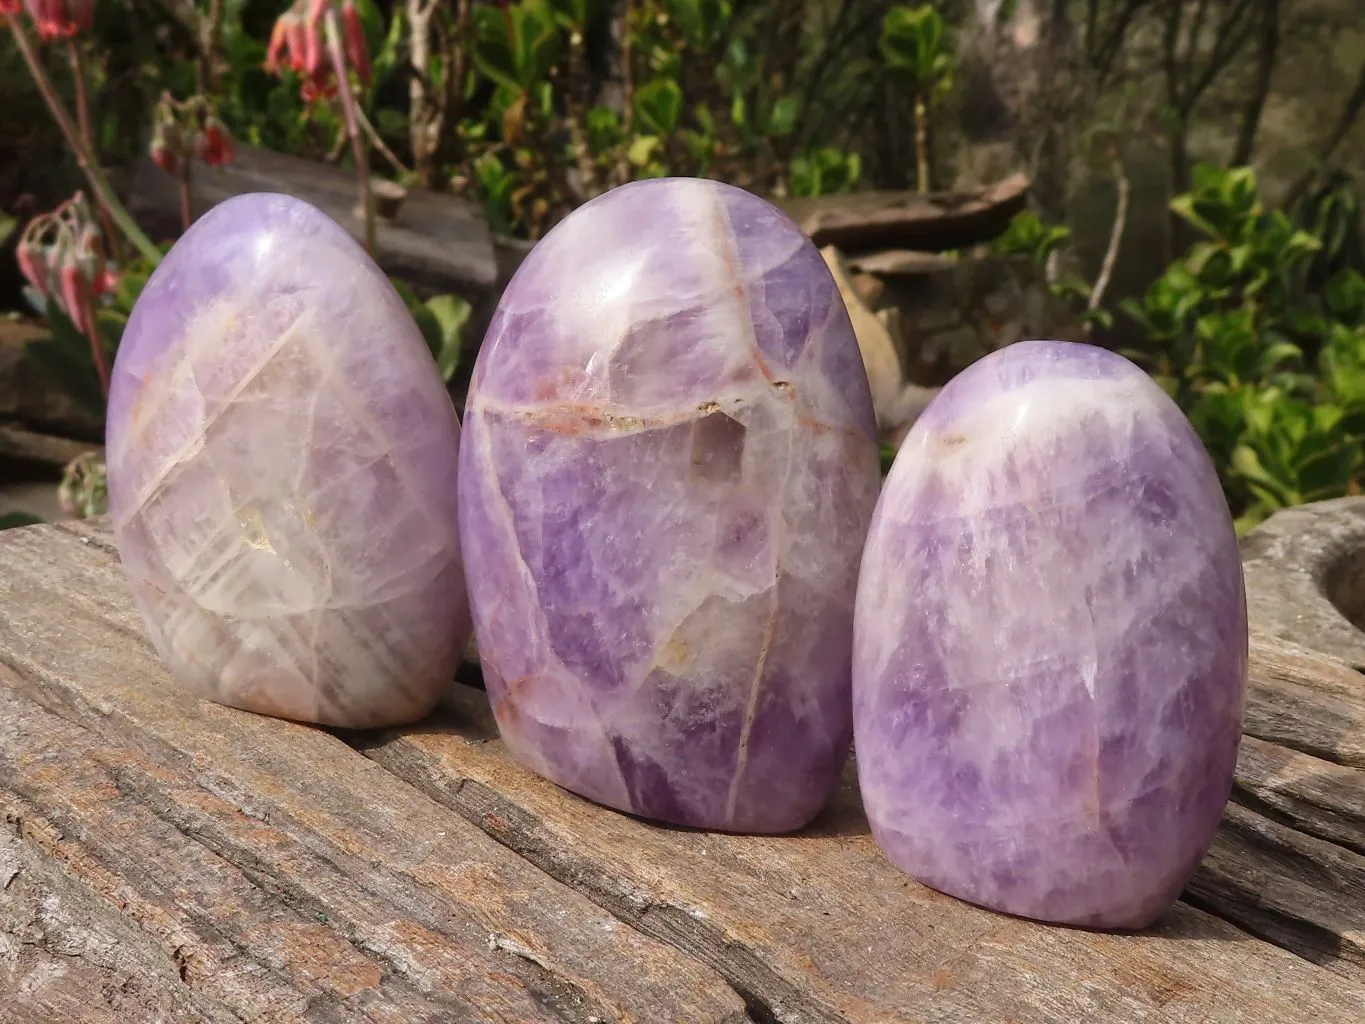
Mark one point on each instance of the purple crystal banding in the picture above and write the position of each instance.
(282, 461)
(1050, 647)
(667, 472)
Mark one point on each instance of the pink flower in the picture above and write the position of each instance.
(61, 19)
(72, 291)
(214, 144)
(34, 266)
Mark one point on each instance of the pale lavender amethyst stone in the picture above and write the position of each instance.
(282, 461)
(1051, 642)
(667, 472)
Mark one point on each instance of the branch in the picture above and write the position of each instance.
(1111, 254)
(1234, 29)
(1350, 113)
(1103, 54)
(104, 194)
(378, 143)
(1170, 45)
(1265, 69)
(420, 117)
(209, 35)
(348, 108)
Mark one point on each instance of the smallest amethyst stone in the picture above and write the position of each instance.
(1050, 642)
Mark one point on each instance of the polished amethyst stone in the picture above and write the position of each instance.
(282, 461)
(667, 472)
(1050, 649)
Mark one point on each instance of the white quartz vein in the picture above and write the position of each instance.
(777, 524)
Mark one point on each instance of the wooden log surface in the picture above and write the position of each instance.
(857, 221)
(437, 243)
(166, 859)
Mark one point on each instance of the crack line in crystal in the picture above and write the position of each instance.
(415, 494)
(727, 248)
(776, 524)
(172, 379)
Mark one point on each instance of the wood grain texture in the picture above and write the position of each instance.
(167, 859)
(288, 878)
(822, 928)
(1316, 797)
(1306, 701)
(909, 220)
(1305, 577)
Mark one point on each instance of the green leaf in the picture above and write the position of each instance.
(642, 149)
(700, 21)
(782, 120)
(405, 293)
(739, 111)
(515, 46)
(448, 316)
(910, 42)
(705, 119)
(576, 14)
(65, 355)
(658, 104)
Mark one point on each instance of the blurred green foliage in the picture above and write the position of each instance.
(1268, 363)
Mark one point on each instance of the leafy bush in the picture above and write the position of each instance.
(1269, 367)
(706, 100)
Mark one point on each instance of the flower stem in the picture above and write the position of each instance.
(186, 214)
(92, 333)
(73, 51)
(99, 184)
(362, 167)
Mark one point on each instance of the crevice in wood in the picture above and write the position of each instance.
(1254, 802)
(550, 987)
(768, 997)
(1301, 893)
(807, 929)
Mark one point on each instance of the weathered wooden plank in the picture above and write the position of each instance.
(820, 927)
(261, 955)
(909, 220)
(1306, 701)
(68, 954)
(1316, 797)
(289, 847)
(1305, 576)
(815, 927)
(436, 242)
(18, 443)
(1298, 892)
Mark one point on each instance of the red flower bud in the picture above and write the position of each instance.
(357, 49)
(323, 89)
(106, 283)
(296, 38)
(279, 39)
(214, 144)
(165, 157)
(72, 286)
(33, 265)
(313, 50)
(61, 19)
